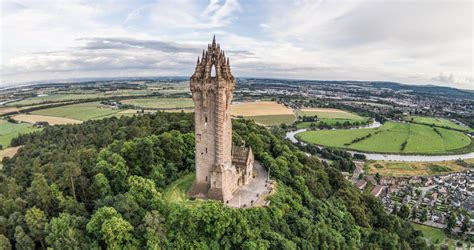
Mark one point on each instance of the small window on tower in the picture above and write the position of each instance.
(205, 121)
(206, 150)
(213, 71)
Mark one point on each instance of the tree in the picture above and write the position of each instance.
(71, 170)
(404, 212)
(377, 177)
(143, 191)
(414, 212)
(5, 243)
(66, 232)
(101, 184)
(39, 192)
(109, 226)
(466, 224)
(114, 167)
(155, 233)
(117, 233)
(36, 221)
(451, 222)
(23, 241)
(424, 215)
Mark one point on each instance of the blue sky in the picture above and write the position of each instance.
(415, 42)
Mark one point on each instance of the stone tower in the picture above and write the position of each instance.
(212, 86)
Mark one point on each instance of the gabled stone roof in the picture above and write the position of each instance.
(240, 156)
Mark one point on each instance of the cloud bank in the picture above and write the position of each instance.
(416, 42)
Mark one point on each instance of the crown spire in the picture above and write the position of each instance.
(214, 41)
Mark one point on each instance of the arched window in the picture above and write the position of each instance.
(213, 70)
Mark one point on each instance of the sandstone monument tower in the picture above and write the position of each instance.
(220, 168)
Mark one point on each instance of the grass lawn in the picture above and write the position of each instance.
(270, 120)
(442, 122)
(81, 111)
(399, 168)
(177, 191)
(164, 103)
(390, 137)
(10, 130)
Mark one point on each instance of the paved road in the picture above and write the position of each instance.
(258, 185)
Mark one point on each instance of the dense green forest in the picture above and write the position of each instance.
(99, 184)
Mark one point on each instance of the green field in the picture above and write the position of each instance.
(161, 103)
(271, 120)
(81, 111)
(54, 98)
(10, 130)
(436, 121)
(329, 116)
(389, 139)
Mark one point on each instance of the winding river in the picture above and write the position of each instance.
(389, 157)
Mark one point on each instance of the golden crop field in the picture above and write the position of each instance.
(259, 108)
(9, 152)
(399, 168)
(52, 120)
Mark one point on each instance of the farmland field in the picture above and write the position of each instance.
(390, 138)
(4, 110)
(10, 130)
(259, 109)
(9, 152)
(265, 113)
(82, 111)
(54, 98)
(399, 168)
(329, 113)
(441, 122)
(161, 103)
(271, 120)
(43, 118)
(329, 116)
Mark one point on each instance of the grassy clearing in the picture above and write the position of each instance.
(390, 137)
(270, 120)
(259, 109)
(176, 192)
(329, 113)
(82, 111)
(10, 130)
(163, 103)
(434, 235)
(441, 122)
(42, 118)
(398, 168)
